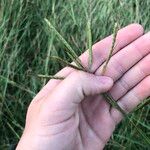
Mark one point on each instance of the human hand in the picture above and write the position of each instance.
(72, 115)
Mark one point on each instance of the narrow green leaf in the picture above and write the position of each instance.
(13, 130)
(147, 102)
(18, 86)
(140, 131)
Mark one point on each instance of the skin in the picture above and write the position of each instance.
(72, 114)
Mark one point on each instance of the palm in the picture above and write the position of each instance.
(95, 122)
(96, 113)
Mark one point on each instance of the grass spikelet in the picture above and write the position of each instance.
(112, 48)
(71, 53)
(107, 96)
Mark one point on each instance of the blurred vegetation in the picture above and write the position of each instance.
(25, 50)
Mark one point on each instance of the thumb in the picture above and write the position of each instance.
(72, 90)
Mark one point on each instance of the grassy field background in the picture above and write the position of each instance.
(25, 48)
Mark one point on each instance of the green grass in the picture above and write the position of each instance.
(25, 50)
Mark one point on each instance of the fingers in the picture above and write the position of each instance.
(131, 78)
(127, 57)
(125, 36)
(71, 91)
(78, 85)
(132, 98)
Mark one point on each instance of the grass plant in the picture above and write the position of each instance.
(28, 43)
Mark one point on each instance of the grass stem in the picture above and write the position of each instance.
(112, 48)
(64, 62)
(90, 44)
(71, 53)
(50, 77)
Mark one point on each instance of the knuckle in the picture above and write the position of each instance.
(79, 75)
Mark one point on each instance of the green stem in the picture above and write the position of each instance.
(71, 53)
(112, 47)
(50, 77)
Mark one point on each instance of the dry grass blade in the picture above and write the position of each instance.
(71, 53)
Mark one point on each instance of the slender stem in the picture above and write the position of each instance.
(89, 34)
(64, 62)
(113, 103)
(112, 48)
(107, 96)
(71, 53)
(50, 77)
(18, 86)
(47, 59)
